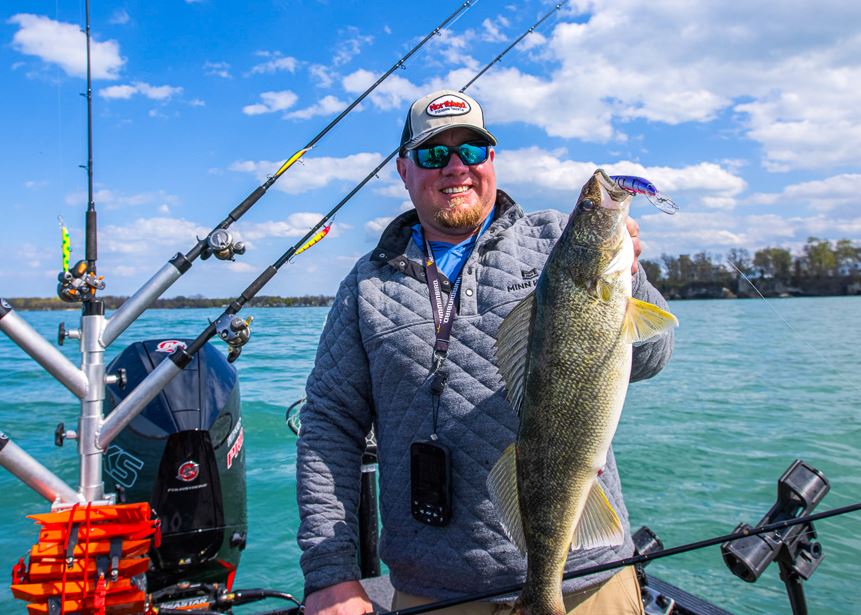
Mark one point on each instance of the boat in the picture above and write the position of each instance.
(162, 423)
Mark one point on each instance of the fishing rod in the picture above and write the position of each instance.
(639, 559)
(91, 250)
(229, 327)
(219, 242)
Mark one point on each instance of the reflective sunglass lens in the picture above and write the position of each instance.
(472, 154)
(437, 156)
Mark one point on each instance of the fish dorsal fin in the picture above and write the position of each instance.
(512, 341)
(644, 320)
(502, 487)
(599, 525)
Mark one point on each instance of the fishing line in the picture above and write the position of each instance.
(183, 356)
(822, 357)
(255, 196)
(636, 559)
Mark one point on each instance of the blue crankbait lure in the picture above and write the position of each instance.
(638, 185)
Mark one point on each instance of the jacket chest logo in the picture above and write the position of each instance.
(530, 279)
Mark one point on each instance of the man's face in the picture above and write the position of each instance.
(451, 202)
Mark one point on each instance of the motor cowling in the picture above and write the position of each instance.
(185, 455)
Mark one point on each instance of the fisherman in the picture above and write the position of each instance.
(381, 363)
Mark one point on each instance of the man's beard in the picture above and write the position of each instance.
(460, 217)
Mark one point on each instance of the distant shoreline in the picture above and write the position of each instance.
(112, 302)
(770, 287)
(729, 289)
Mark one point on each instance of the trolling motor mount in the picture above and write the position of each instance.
(220, 244)
(799, 491)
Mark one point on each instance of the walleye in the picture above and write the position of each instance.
(564, 353)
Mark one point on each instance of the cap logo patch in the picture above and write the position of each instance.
(448, 105)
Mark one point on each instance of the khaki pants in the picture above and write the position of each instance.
(619, 595)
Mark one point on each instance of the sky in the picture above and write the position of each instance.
(747, 114)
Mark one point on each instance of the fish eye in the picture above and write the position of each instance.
(586, 205)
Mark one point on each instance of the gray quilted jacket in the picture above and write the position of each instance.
(371, 366)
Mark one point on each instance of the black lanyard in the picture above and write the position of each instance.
(443, 317)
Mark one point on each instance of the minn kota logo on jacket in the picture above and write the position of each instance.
(530, 279)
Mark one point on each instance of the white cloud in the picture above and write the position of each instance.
(153, 92)
(295, 225)
(322, 74)
(328, 105)
(271, 102)
(790, 75)
(821, 195)
(149, 236)
(119, 17)
(374, 228)
(217, 69)
(491, 32)
(64, 44)
(538, 168)
(110, 199)
(314, 172)
(276, 63)
(350, 45)
(391, 94)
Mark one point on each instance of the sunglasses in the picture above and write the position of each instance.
(437, 156)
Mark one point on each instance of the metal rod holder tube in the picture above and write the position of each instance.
(44, 353)
(136, 401)
(135, 305)
(33, 474)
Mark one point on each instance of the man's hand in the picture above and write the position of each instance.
(347, 598)
(634, 230)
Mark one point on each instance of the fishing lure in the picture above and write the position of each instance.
(317, 237)
(638, 185)
(66, 243)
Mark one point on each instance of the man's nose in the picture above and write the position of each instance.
(455, 164)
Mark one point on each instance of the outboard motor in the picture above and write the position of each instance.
(184, 455)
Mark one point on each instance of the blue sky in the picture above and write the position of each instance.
(748, 115)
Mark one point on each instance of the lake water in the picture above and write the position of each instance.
(752, 386)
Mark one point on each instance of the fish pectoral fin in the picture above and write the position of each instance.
(512, 350)
(603, 290)
(502, 487)
(644, 320)
(599, 525)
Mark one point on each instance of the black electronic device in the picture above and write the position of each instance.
(430, 479)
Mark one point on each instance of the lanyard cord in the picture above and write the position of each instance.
(443, 316)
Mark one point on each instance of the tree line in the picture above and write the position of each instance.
(819, 264)
(195, 301)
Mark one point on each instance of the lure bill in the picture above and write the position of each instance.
(639, 185)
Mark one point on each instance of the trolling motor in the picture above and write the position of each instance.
(799, 491)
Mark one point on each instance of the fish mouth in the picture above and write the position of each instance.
(616, 198)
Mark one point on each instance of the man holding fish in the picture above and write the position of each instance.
(490, 350)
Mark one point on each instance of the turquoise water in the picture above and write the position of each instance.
(700, 447)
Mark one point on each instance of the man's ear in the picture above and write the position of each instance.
(402, 169)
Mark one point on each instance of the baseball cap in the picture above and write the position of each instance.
(440, 111)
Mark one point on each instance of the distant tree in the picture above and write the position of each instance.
(671, 266)
(846, 253)
(819, 257)
(705, 269)
(687, 269)
(739, 258)
(652, 269)
(776, 262)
